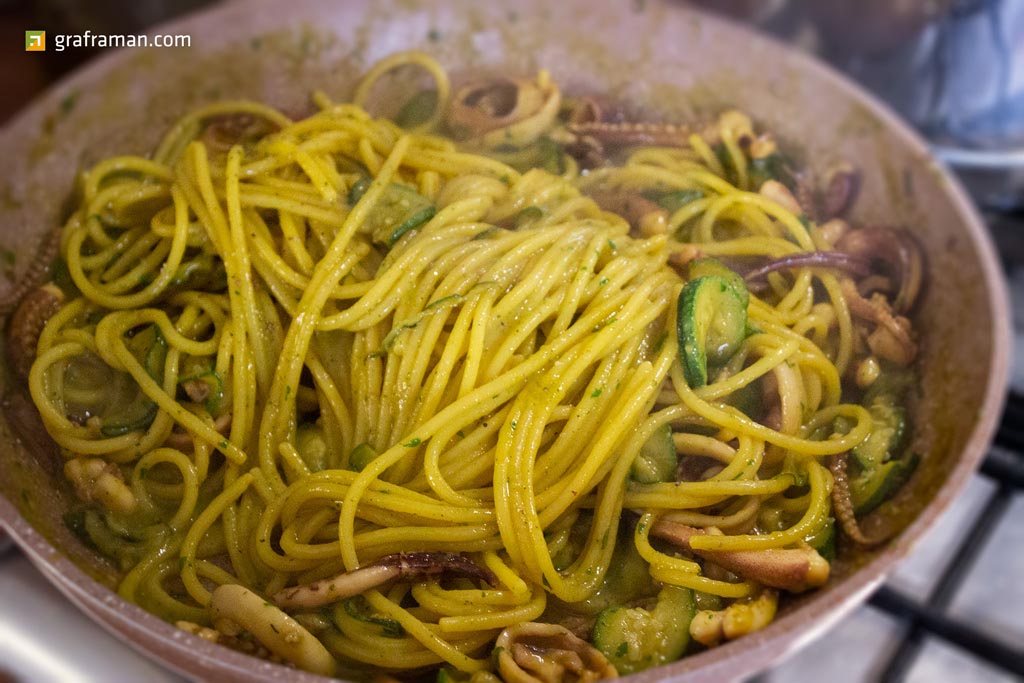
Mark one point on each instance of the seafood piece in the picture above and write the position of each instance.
(397, 566)
(533, 652)
(791, 569)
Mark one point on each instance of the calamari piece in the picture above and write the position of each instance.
(775, 191)
(842, 504)
(892, 337)
(791, 569)
(96, 480)
(533, 652)
(249, 646)
(842, 182)
(223, 131)
(184, 441)
(27, 323)
(240, 607)
(897, 254)
(710, 627)
(503, 112)
(642, 213)
(629, 133)
(37, 271)
(387, 568)
(809, 259)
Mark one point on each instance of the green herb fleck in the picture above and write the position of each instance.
(673, 201)
(418, 109)
(68, 103)
(597, 392)
(413, 443)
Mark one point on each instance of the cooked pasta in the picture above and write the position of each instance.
(374, 398)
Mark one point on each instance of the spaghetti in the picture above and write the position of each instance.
(421, 395)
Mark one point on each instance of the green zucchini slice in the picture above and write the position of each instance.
(634, 639)
(657, 459)
(711, 322)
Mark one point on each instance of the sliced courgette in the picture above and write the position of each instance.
(203, 272)
(657, 459)
(418, 109)
(712, 266)
(399, 210)
(449, 675)
(361, 456)
(634, 639)
(673, 201)
(873, 487)
(825, 540)
(358, 189)
(150, 348)
(135, 420)
(215, 389)
(312, 446)
(879, 465)
(627, 580)
(775, 166)
(888, 434)
(711, 323)
(357, 608)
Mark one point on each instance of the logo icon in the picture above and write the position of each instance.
(35, 41)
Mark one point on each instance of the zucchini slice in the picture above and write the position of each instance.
(712, 266)
(673, 201)
(138, 413)
(887, 437)
(399, 210)
(312, 446)
(711, 322)
(657, 459)
(634, 639)
(880, 464)
(874, 487)
(361, 456)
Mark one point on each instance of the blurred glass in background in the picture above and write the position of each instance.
(953, 68)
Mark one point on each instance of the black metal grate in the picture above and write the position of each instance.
(1004, 465)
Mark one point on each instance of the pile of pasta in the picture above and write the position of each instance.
(373, 398)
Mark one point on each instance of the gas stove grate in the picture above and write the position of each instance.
(929, 617)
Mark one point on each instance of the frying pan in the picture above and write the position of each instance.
(660, 58)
